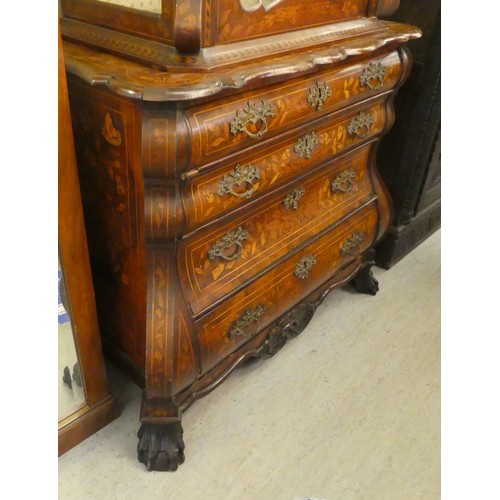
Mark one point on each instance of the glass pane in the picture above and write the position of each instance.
(71, 389)
(145, 5)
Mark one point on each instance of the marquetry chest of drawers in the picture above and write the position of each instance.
(228, 186)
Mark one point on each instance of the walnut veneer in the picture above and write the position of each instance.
(224, 201)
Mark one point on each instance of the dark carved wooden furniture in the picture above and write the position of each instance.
(98, 407)
(227, 160)
(410, 155)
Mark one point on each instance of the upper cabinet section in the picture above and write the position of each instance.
(137, 29)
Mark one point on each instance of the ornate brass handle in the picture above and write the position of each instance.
(344, 182)
(373, 76)
(253, 113)
(318, 95)
(360, 125)
(235, 237)
(250, 316)
(303, 268)
(305, 145)
(291, 201)
(351, 245)
(241, 175)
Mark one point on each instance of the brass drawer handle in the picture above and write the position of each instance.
(291, 201)
(351, 245)
(318, 95)
(305, 145)
(235, 237)
(344, 182)
(253, 113)
(250, 316)
(360, 125)
(241, 175)
(303, 268)
(373, 76)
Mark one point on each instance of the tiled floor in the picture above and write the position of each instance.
(349, 410)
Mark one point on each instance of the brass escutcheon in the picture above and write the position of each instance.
(291, 201)
(344, 181)
(318, 95)
(240, 176)
(351, 245)
(251, 115)
(373, 76)
(250, 316)
(233, 237)
(360, 125)
(303, 268)
(305, 145)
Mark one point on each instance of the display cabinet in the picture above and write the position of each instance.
(226, 153)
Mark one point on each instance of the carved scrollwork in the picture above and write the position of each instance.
(235, 237)
(303, 268)
(291, 201)
(305, 145)
(360, 125)
(250, 316)
(257, 112)
(373, 76)
(289, 327)
(344, 182)
(318, 94)
(351, 246)
(240, 176)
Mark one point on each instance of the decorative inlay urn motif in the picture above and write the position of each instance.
(305, 145)
(303, 268)
(291, 201)
(351, 245)
(240, 176)
(235, 237)
(373, 76)
(344, 182)
(110, 133)
(360, 125)
(318, 95)
(257, 112)
(250, 316)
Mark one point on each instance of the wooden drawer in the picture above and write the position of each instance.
(218, 129)
(215, 262)
(218, 191)
(240, 318)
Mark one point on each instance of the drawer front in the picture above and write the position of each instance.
(210, 195)
(221, 128)
(240, 318)
(217, 261)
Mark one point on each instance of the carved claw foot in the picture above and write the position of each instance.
(364, 282)
(160, 447)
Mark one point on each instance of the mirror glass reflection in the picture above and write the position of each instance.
(71, 393)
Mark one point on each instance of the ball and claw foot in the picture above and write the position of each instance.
(160, 447)
(364, 282)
